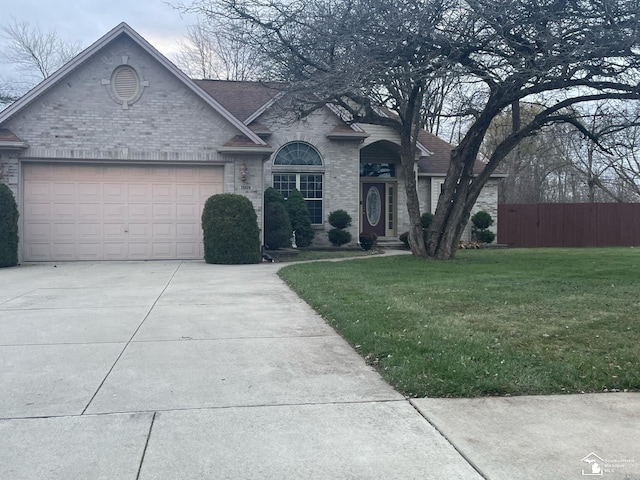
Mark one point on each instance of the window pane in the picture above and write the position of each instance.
(284, 183)
(315, 210)
(385, 170)
(311, 186)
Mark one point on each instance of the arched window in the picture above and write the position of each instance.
(303, 175)
(298, 153)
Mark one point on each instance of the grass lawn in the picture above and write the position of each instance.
(490, 322)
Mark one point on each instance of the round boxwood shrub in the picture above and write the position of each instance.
(485, 236)
(338, 236)
(340, 219)
(482, 220)
(300, 218)
(368, 240)
(231, 232)
(277, 226)
(8, 228)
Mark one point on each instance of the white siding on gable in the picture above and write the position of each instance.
(436, 188)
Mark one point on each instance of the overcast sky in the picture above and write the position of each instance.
(88, 20)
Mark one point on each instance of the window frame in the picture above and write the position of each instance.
(298, 184)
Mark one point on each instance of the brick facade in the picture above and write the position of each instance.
(77, 118)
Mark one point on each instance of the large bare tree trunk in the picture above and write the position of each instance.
(459, 194)
(416, 235)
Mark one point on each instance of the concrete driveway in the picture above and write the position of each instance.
(182, 370)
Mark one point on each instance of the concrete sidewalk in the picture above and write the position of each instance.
(182, 370)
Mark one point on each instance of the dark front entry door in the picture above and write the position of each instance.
(373, 208)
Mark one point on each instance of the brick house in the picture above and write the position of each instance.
(113, 156)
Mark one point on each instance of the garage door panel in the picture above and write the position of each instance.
(139, 251)
(64, 231)
(208, 190)
(114, 250)
(140, 193)
(89, 192)
(187, 193)
(38, 190)
(115, 212)
(163, 231)
(89, 212)
(63, 192)
(89, 231)
(113, 231)
(188, 250)
(89, 251)
(117, 191)
(39, 232)
(163, 193)
(188, 230)
(138, 231)
(63, 211)
(35, 210)
(164, 250)
(64, 251)
(138, 211)
(188, 212)
(38, 251)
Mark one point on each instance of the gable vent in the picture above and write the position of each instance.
(125, 83)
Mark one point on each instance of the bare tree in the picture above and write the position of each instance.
(7, 94)
(364, 54)
(217, 52)
(35, 52)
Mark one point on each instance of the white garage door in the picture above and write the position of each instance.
(115, 212)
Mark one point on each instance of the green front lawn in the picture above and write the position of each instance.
(490, 322)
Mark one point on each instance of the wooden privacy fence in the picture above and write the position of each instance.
(569, 225)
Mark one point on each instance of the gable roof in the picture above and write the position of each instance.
(124, 29)
(438, 163)
(10, 141)
(242, 99)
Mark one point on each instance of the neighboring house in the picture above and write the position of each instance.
(114, 155)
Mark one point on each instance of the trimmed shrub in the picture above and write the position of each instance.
(340, 219)
(485, 236)
(300, 218)
(426, 219)
(482, 220)
(231, 232)
(368, 240)
(338, 236)
(8, 227)
(277, 226)
(404, 238)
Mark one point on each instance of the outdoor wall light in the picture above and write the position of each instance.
(243, 172)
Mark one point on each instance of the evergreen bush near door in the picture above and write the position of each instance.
(300, 218)
(277, 226)
(8, 228)
(231, 232)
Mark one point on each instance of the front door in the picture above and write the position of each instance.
(373, 208)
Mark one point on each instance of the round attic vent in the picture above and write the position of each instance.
(125, 83)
